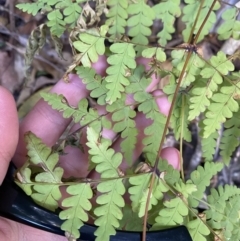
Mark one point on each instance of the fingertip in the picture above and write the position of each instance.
(172, 155)
(162, 102)
(101, 65)
(8, 130)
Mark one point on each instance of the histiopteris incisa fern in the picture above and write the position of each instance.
(199, 89)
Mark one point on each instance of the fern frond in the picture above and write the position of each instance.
(93, 82)
(117, 16)
(171, 175)
(39, 154)
(222, 107)
(140, 189)
(90, 45)
(23, 180)
(109, 213)
(201, 178)
(77, 205)
(199, 100)
(59, 13)
(107, 161)
(56, 22)
(230, 27)
(81, 113)
(217, 201)
(179, 121)
(141, 19)
(190, 13)
(167, 12)
(230, 138)
(154, 52)
(154, 131)
(174, 212)
(198, 230)
(193, 69)
(130, 220)
(209, 146)
(220, 66)
(139, 186)
(224, 212)
(123, 118)
(71, 12)
(110, 200)
(31, 8)
(122, 61)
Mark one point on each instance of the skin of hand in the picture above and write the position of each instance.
(49, 124)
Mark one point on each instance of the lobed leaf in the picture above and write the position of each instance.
(123, 118)
(109, 212)
(91, 45)
(198, 230)
(93, 82)
(121, 62)
(174, 212)
(201, 178)
(229, 140)
(142, 16)
(117, 18)
(77, 205)
(167, 12)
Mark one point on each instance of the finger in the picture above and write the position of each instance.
(46, 123)
(49, 124)
(8, 130)
(155, 80)
(172, 155)
(76, 162)
(13, 231)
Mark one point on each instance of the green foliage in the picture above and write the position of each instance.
(189, 15)
(224, 211)
(179, 121)
(157, 53)
(60, 13)
(121, 62)
(45, 188)
(90, 45)
(139, 22)
(94, 83)
(198, 230)
(202, 91)
(209, 146)
(77, 205)
(201, 178)
(80, 114)
(173, 213)
(117, 17)
(230, 26)
(167, 12)
(222, 107)
(229, 141)
(110, 200)
(123, 118)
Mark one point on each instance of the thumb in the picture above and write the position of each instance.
(8, 130)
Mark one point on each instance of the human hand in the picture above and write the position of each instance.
(49, 124)
(9, 128)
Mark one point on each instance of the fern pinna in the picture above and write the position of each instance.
(204, 91)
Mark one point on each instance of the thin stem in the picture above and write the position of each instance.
(147, 205)
(204, 21)
(190, 39)
(161, 144)
(181, 138)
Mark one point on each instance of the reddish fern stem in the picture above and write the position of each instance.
(168, 120)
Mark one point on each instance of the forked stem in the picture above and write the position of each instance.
(170, 114)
